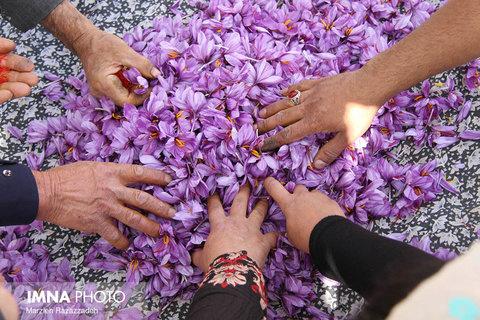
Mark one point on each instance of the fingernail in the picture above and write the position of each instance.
(255, 128)
(319, 164)
(262, 113)
(171, 212)
(168, 179)
(156, 72)
(284, 91)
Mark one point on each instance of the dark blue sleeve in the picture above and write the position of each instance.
(18, 194)
(25, 14)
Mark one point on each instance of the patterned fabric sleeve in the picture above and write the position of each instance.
(233, 288)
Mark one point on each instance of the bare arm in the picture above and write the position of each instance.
(347, 103)
(67, 24)
(101, 53)
(451, 37)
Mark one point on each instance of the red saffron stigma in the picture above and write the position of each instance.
(125, 83)
(4, 71)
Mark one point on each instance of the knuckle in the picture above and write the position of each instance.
(140, 198)
(137, 171)
(103, 205)
(280, 117)
(133, 219)
(285, 134)
(331, 154)
(261, 125)
(115, 237)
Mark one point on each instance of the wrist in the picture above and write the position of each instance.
(46, 194)
(375, 85)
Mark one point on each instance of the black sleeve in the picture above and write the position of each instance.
(382, 270)
(25, 14)
(18, 194)
(233, 289)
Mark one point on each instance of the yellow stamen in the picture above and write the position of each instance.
(438, 84)
(173, 54)
(133, 265)
(15, 270)
(328, 26)
(350, 147)
(450, 181)
(166, 239)
(179, 115)
(70, 150)
(218, 63)
(179, 143)
(287, 22)
(449, 119)
(418, 98)
(385, 131)
(348, 31)
(219, 30)
(347, 208)
(116, 117)
(418, 191)
(255, 153)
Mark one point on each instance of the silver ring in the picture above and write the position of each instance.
(295, 97)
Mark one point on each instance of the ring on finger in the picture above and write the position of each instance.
(294, 96)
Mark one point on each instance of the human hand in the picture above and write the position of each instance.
(236, 232)
(16, 75)
(88, 196)
(103, 55)
(8, 305)
(343, 103)
(303, 210)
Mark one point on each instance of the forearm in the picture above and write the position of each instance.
(69, 26)
(382, 270)
(451, 37)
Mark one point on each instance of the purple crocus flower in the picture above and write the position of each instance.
(217, 72)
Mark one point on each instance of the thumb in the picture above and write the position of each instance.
(330, 151)
(146, 68)
(271, 239)
(197, 258)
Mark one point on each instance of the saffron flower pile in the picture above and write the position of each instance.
(230, 59)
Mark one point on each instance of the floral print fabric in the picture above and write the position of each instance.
(237, 284)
